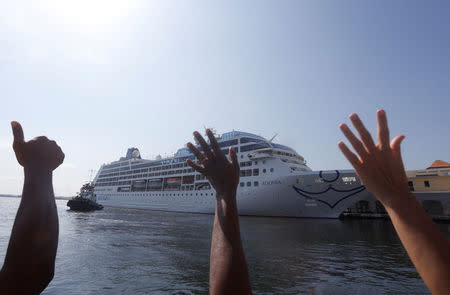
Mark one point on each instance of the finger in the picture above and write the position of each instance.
(395, 146)
(383, 130)
(196, 152)
(61, 155)
(351, 157)
(215, 146)
(17, 132)
(396, 142)
(233, 158)
(356, 143)
(204, 145)
(41, 138)
(363, 133)
(195, 166)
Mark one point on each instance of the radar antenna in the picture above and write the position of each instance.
(273, 137)
(213, 131)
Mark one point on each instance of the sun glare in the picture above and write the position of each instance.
(90, 15)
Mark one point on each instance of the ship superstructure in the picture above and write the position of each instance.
(274, 181)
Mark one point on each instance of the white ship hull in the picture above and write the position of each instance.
(274, 181)
(315, 195)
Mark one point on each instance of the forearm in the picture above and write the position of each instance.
(228, 268)
(34, 237)
(425, 244)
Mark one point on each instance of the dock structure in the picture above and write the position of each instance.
(349, 215)
(431, 187)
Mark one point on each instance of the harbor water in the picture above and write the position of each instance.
(129, 251)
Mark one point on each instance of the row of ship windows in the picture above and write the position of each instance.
(243, 173)
(158, 195)
(102, 177)
(242, 184)
(222, 144)
(244, 148)
(174, 166)
(166, 167)
(148, 175)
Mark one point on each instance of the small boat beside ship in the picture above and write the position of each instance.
(85, 200)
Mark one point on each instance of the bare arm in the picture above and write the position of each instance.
(380, 167)
(29, 263)
(228, 268)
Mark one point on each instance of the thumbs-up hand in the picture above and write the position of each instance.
(39, 153)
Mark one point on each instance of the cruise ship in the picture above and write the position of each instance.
(274, 181)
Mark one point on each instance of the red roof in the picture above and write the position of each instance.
(439, 164)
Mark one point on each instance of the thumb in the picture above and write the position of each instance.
(233, 158)
(17, 132)
(395, 143)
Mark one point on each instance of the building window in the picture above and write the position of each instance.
(255, 172)
(427, 183)
(242, 184)
(271, 169)
(249, 183)
(264, 170)
(411, 186)
(255, 183)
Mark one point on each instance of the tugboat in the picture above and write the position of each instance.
(85, 200)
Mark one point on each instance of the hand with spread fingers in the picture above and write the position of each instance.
(379, 166)
(228, 272)
(223, 174)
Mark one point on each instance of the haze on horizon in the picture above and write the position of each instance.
(101, 76)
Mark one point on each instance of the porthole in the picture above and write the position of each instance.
(271, 169)
(264, 170)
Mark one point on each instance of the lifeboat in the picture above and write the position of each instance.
(173, 180)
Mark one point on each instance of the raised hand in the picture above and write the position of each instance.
(228, 272)
(223, 174)
(39, 152)
(380, 166)
(29, 264)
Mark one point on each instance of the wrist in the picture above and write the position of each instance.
(37, 173)
(399, 201)
(226, 194)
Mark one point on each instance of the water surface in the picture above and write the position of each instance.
(129, 251)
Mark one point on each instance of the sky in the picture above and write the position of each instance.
(101, 76)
